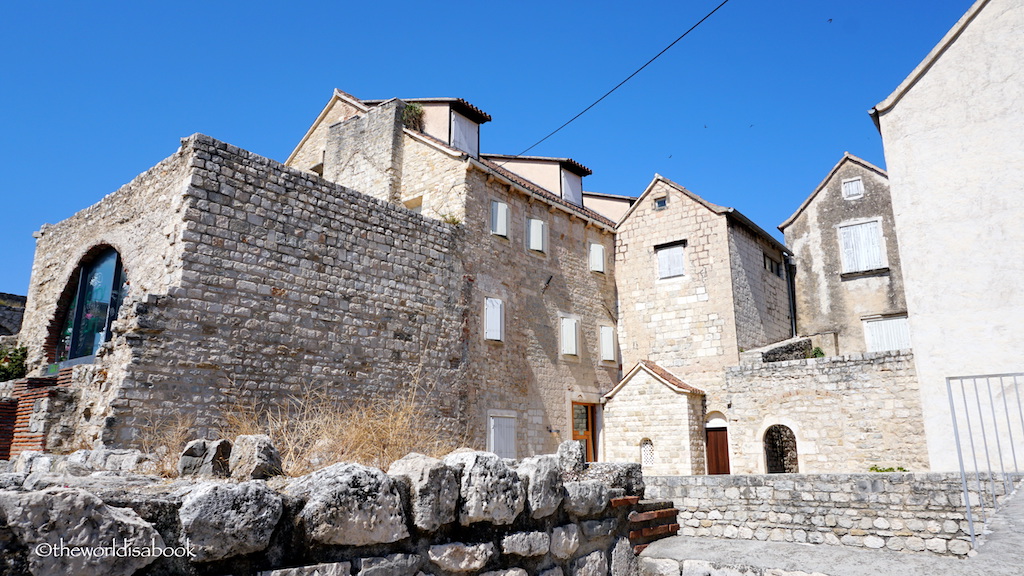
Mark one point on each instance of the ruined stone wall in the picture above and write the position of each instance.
(685, 324)
(290, 286)
(143, 221)
(12, 309)
(470, 513)
(848, 413)
(901, 512)
(433, 178)
(673, 422)
(526, 372)
(310, 152)
(760, 296)
(364, 153)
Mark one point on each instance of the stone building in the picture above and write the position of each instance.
(412, 264)
(698, 284)
(952, 137)
(12, 309)
(848, 280)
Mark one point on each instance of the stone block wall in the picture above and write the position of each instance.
(673, 422)
(848, 413)
(761, 297)
(471, 513)
(685, 324)
(12, 309)
(902, 512)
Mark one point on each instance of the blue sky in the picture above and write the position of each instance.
(751, 110)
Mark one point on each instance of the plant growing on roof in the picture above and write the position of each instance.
(412, 116)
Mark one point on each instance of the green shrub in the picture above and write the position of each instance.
(12, 362)
(876, 468)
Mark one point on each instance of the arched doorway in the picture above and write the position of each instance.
(780, 454)
(717, 447)
(96, 290)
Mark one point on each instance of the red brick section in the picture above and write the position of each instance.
(15, 435)
(652, 520)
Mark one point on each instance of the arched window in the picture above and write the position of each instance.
(86, 323)
(646, 452)
(780, 450)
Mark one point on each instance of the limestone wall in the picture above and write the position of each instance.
(12, 309)
(672, 421)
(470, 513)
(910, 512)
(848, 413)
(685, 324)
(760, 296)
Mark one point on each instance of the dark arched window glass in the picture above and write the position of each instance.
(780, 450)
(97, 299)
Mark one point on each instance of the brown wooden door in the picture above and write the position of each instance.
(718, 451)
(583, 428)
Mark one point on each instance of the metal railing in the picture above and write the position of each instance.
(989, 409)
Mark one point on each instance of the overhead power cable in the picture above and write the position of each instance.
(628, 78)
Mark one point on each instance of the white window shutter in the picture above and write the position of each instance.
(494, 319)
(853, 188)
(502, 436)
(862, 247)
(670, 262)
(887, 334)
(465, 136)
(569, 344)
(597, 257)
(499, 218)
(872, 245)
(572, 187)
(536, 234)
(607, 343)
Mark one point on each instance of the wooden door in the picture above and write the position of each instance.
(583, 428)
(718, 451)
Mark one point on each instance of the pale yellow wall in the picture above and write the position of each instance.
(611, 208)
(437, 121)
(546, 174)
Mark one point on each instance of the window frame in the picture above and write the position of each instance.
(842, 188)
(591, 257)
(845, 264)
(500, 319)
(870, 345)
(492, 416)
(496, 209)
(543, 235)
(610, 354)
(681, 245)
(563, 341)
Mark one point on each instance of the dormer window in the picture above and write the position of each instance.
(465, 134)
(450, 120)
(853, 189)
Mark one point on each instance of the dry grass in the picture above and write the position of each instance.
(164, 437)
(317, 430)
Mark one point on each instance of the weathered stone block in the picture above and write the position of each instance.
(391, 565)
(593, 564)
(460, 557)
(490, 491)
(526, 544)
(544, 484)
(433, 489)
(226, 520)
(254, 457)
(585, 498)
(205, 458)
(564, 541)
(350, 505)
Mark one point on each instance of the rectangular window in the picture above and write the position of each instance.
(670, 259)
(661, 203)
(536, 235)
(597, 257)
(570, 330)
(853, 188)
(465, 134)
(772, 265)
(499, 218)
(501, 435)
(494, 319)
(887, 334)
(861, 247)
(607, 344)
(572, 187)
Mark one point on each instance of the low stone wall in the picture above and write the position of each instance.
(897, 511)
(846, 413)
(470, 513)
